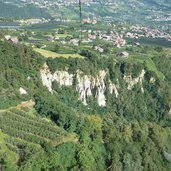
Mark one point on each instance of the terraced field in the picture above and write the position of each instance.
(20, 128)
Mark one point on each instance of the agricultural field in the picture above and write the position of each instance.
(50, 54)
(17, 122)
(21, 128)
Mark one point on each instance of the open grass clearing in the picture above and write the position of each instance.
(146, 60)
(63, 35)
(50, 54)
(152, 67)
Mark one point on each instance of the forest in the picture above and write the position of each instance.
(56, 131)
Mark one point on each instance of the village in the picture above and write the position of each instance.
(102, 37)
(47, 4)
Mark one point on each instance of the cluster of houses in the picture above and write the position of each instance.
(93, 35)
(47, 3)
(89, 21)
(32, 21)
(115, 36)
(138, 31)
(112, 36)
(163, 18)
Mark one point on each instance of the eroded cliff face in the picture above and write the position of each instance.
(113, 88)
(92, 86)
(62, 77)
(88, 85)
(131, 82)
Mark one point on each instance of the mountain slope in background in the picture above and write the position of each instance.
(27, 11)
(137, 11)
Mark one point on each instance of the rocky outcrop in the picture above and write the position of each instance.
(62, 77)
(167, 156)
(169, 112)
(113, 89)
(22, 91)
(152, 80)
(131, 82)
(87, 85)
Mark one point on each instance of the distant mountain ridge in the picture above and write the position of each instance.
(28, 11)
(133, 10)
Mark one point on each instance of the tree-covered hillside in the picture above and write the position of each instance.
(56, 131)
(19, 67)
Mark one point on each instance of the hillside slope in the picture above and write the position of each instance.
(89, 114)
(27, 11)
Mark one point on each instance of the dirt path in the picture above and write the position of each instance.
(30, 103)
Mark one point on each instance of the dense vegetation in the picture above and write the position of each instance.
(19, 67)
(133, 131)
